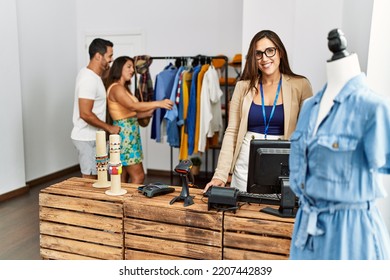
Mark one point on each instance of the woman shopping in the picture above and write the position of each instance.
(125, 110)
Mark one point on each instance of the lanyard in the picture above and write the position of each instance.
(273, 107)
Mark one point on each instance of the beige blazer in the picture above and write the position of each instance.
(294, 91)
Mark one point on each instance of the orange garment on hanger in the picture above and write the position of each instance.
(186, 85)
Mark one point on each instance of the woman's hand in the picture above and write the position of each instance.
(166, 104)
(214, 182)
(113, 129)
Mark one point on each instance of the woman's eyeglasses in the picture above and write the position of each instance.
(269, 52)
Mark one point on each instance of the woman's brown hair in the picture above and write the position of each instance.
(251, 71)
(115, 71)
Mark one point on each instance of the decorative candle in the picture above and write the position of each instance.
(101, 160)
(115, 148)
(115, 166)
(101, 143)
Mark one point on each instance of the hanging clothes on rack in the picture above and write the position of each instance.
(179, 96)
(145, 85)
(191, 116)
(203, 70)
(210, 108)
(163, 87)
(173, 136)
(185, 126)
(144, 92)
(183, 111)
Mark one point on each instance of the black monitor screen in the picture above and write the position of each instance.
(268, 164)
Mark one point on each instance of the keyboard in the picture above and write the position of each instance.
(264, 198)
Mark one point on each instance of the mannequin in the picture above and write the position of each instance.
(339, 70)
(338, 149)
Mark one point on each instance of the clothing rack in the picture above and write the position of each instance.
(200, 59)
(203, 59)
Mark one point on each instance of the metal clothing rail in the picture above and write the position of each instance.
(201, 59)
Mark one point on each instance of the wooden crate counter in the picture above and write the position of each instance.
(155, 229)
(253, 235)
(78, 221)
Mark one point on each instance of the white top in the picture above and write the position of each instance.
(89, 85)
(210, 107)
(338, 72)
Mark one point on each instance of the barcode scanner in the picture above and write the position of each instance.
(184, 169)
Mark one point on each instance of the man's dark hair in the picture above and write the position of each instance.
(99, 45)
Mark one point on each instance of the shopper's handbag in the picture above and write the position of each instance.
(144, 122)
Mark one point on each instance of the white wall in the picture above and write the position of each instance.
(356, 24)
(12, 171)
(193, 27)
(303, 26)
(378, 73)
(47, 37)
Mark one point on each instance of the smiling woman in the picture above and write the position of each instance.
(265, 105)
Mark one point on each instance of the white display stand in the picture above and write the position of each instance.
(115, 166)
(101, 161)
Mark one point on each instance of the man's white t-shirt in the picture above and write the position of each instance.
(89, 85)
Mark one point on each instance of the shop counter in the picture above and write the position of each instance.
(78, 221)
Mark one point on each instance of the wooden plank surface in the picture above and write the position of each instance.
(237, 254)
(82, 188)
(258, 226)
(184, 217)
(81, 205)
(78, 221)
(173, 232)
(159, 209)
(81, 219)
(173, 248)
(82, 222)
(49, 254)
(81, 248)
(256, 243)
(82, 234)
(141, 255)
(251, 234)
